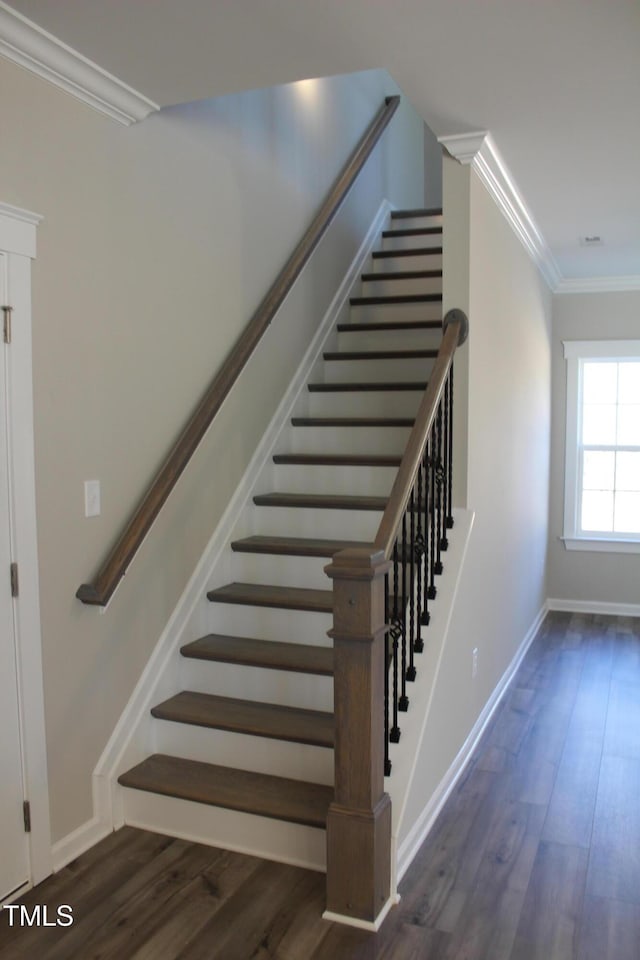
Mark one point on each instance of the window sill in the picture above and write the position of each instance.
(601, 545)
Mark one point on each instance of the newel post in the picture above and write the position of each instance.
(359, 819)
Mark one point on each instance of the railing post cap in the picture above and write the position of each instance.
(456, 315)
(358, 563)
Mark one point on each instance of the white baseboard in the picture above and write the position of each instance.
(420, 830)
(79, 841)
(371, 925)
(595, 606)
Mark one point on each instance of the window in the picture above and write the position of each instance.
(602, 478)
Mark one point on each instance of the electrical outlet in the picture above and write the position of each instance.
(92, 498)
(474, 663)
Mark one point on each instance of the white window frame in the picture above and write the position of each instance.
(576, 351)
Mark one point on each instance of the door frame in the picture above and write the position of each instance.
(18, 242)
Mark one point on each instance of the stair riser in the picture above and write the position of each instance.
(227, 829)
(412, 242)
(399, 403)
(268, 623)
(393, 288)
(281, 571)
(388, 339)
(411, 223)
(366, 481)
(354, 440)
(378, 371)
(428, 261)
(255, 683)
(307, 522)
(390, 312)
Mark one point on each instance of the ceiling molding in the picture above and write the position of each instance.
(598, 285)
(27, 45)
(478, 149)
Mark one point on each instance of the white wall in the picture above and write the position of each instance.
(502, 589)
(584, 575)
(158, 242)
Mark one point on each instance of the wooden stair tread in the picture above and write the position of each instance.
(395, 298)
(295, 546)
(370, 387)
(417, 354)
(409, 214)
(270, 720)
(352, 421)
(412, 232)
(321, 501)
(401, 275)
(277, 797)
(414, 252)
(269, 595)
(360, 325)
(339, 459)
(271, 655)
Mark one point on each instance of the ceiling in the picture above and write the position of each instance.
(556, 82)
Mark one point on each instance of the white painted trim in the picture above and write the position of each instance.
(106, 791)
(372, 925)
(601, 545)
(419, 832)
(28, 45)
(24, 538)
(595, 606)
(78, 842)
(598, 284)
(18, 230)
(479, 150)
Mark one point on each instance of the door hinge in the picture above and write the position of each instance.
(14, 580)
(7, 311)
(26, 811)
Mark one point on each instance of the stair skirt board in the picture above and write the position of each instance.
(273, 595)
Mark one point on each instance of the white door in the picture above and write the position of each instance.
(14, 849)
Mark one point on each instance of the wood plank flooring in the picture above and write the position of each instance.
(536, 855)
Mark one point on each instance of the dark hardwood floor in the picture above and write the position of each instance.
(536, 855)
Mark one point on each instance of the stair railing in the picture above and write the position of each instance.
(380, 604)
(99, 591)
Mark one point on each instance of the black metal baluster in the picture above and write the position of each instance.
(418, 645)
(438, 469)
(394, 734)
(444, 543)
(450, 478)
(431, 592)
(387, 667)
(403, 703)
(411, 670)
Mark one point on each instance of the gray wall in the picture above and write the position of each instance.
(502, 588)
(158, 242)
(584, 575)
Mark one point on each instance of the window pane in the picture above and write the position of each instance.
(597, 511)
(627, 471)
(629, 424)
(599, 424)
(599, 382)
(627, 513)
(598, 470)
(629, 382)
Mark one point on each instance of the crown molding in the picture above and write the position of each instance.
(598, 284)
(478, 150)
(26, 44)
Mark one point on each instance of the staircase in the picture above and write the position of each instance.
(265, 675)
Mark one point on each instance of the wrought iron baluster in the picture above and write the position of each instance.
(418, 645)
(411, 669)
(438, 478)
(450, 478)
(387, 667)
(394, 633)
(431, 517)
(444, 543)
(403, 703)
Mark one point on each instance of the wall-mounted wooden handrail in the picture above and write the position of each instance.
(454, 334)
(100, 590)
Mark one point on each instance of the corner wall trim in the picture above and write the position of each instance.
(28, 45)
(479, 150)
(598, 284)
(420, 830)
